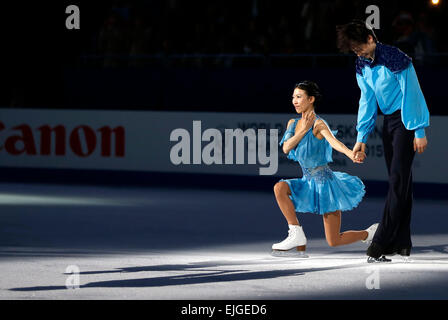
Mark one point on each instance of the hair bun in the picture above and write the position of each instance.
(311, 89)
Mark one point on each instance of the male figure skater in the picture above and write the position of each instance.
(386, 76)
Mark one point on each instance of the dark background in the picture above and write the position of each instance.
(239, 56)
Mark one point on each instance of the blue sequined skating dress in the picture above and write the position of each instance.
(320, 190)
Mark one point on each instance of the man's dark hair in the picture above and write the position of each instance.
(353, 33)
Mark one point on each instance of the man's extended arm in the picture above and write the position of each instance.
(414, 111)
(367, 113)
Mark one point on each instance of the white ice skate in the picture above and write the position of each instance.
(293, 246)
(371, 232)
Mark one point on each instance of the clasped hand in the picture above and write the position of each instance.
(306, 122)
(359, 153)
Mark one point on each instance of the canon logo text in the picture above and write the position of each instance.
(46, 140)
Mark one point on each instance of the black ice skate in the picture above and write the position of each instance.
(378, 260)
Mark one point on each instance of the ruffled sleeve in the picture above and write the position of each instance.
(414, 111)
(288, 133)
(367, 111)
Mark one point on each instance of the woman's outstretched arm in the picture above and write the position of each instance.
(334, 143)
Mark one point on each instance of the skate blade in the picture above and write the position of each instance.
(383, 259)
(293, 253)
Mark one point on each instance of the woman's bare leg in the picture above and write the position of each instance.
(282, 193)
(332, 225)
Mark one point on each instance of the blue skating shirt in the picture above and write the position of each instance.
(391, 82)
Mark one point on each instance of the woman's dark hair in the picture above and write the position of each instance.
(353, 33)
(311, 89)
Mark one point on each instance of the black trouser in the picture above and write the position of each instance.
(394, 231)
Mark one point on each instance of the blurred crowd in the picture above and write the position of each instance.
(259, 26)
(49, 66)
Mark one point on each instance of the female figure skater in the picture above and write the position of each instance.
(309, 141)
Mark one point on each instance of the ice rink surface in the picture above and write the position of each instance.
(168, 243)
